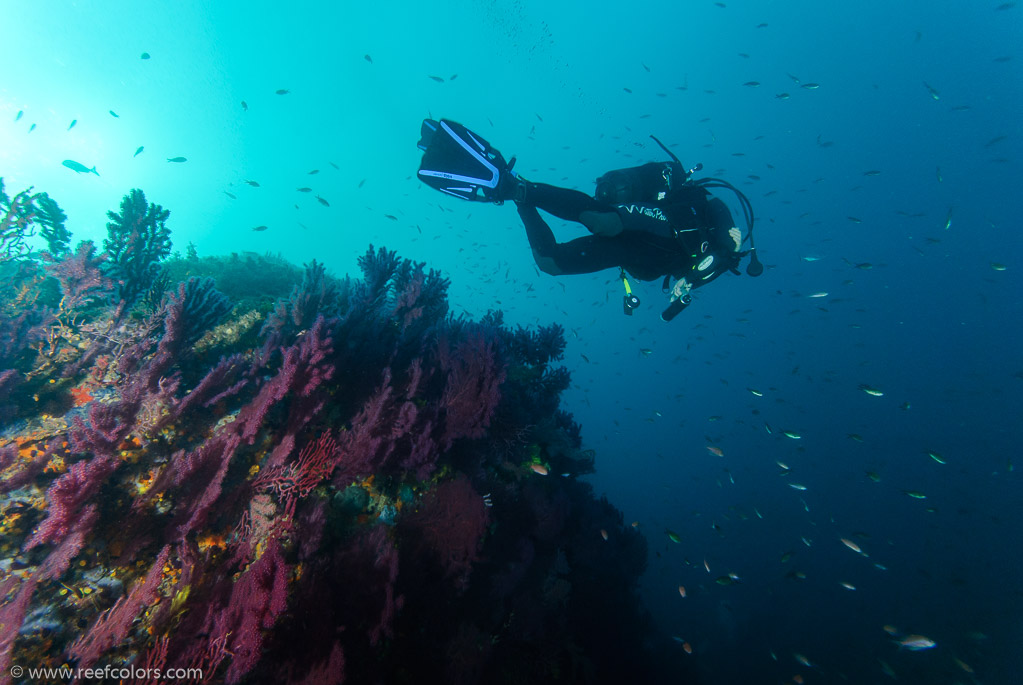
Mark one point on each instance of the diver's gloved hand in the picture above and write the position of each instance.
(736, 235)
(680, 291)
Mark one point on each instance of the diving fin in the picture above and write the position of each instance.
(458, 162)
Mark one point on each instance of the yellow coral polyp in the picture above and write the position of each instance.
(212, 540)
(55, 465)
(143, 483)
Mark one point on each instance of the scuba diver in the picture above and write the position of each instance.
(649, 221)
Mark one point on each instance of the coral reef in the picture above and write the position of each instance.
(137, 240)
(346, 484)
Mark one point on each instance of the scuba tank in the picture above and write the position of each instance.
(648, 182)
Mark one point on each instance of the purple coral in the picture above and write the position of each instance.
(448, 527)
(114, 624)
(67, 497)
(473, 389)
(80, 276)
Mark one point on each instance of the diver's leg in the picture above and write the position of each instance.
(580, 256)
(572, 205)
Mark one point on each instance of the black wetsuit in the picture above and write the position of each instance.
(649, 240)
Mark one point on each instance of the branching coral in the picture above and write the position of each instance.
(294, 506)
(137, 239)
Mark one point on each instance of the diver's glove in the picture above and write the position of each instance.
(736, 235)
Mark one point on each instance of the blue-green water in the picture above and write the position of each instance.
(929, 96)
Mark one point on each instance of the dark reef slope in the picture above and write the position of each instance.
(275, 475)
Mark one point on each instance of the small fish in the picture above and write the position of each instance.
(873, 392)
(368, 58)
(803, 660)
(755, 393)
(785, 557)
(282, 91)
(936, 457)
(810, 86)
(939, 174)
(72, 124)
(78, 167)
(322, 201)
(752, 84)
(934, 93)
(847, 586)
(874, 476)
(852, 545)
(114, 114)
(797, 486)
(782, 96)
(915, 494)
(245, 106)
(792, 435)
(21, 113)
(139, 151)
(948, 219)
(145, 55)
(855, 220)
(872, 172)
(916, 643)
(304, 190)
(603, 534)
(438, 79)
(31, 128)
(230, 195)
(260, 228)
(177, 160)
(998, 266)
(716, 451)
(539, 469)
(887, 669)
(822, 293)
(963, 665)
(313, 172)
(673, 536)
(254, 184)
(391, 217)
(724, 580)
(645, 351)
(855, 436)
(687, 648)
(682, 590)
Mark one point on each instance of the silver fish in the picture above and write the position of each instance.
(78, 167)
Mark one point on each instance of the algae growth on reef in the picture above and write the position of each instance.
(271, 474)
